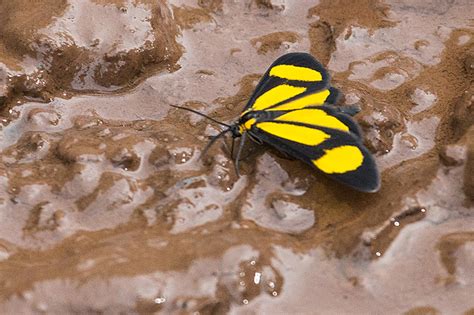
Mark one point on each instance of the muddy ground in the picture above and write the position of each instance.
(105, 206)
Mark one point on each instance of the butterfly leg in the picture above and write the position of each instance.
(255, 139)
(212, 141)
(237, 158)
(232, 148)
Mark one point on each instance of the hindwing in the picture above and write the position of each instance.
(336, 152)
(319, 116)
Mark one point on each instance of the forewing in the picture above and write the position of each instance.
(291, 76)
(337, 153)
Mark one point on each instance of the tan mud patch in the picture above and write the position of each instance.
(273, 41)
(106, 205)
(67, 51)
(187, 17)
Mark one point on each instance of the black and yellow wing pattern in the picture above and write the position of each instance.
(291, 76)
(292, 109)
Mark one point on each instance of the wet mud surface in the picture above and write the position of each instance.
(106, 207)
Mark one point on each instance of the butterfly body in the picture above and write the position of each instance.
(293, 109)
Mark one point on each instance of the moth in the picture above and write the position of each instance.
(293, 110)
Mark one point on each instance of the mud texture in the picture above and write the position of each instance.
(106, 207)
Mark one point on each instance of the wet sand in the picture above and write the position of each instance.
(104, 203)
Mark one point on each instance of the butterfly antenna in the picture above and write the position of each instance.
(239, 151)
(212, 141)
(201, 114)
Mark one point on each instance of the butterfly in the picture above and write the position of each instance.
(293, 110)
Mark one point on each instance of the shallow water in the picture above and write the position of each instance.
(106, 207)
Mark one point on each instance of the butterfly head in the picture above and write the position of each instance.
(235, 130)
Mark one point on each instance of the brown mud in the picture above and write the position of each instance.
(106, 207)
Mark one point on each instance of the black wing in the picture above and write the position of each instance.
(337, 153)
(291, 76)
(319, 116)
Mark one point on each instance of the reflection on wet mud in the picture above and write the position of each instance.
(106, 205)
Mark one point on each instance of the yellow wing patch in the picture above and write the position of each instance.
(314, 99)
(298, 134)
(296, 73)
(276, 95)
(247, 125)
(315, 117)
(340, 160)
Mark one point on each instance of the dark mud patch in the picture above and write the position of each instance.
(187, 17)
(107, 193)
(422, 310)
(372, 14)
(336, 16)
(211, 5)
(273, 41)
(448, 248)
(469, 170)
(62, 51)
